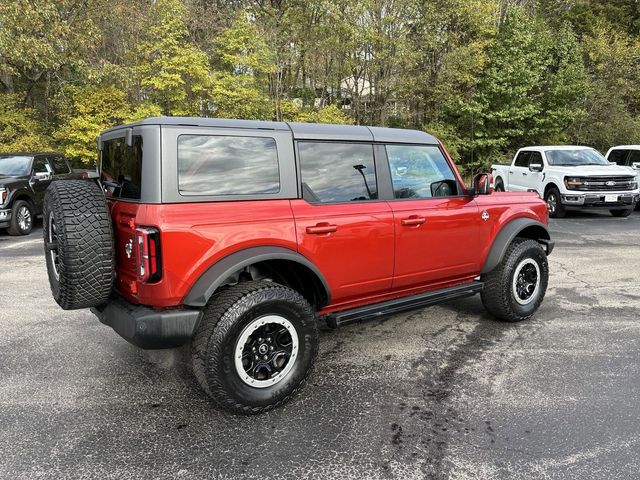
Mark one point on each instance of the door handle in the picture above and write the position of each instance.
(524, 174)
(413, 221)
(510, 172)
(321, 228)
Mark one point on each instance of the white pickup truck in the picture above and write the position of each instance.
(569, 177)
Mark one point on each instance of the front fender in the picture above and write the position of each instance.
(17, 192)
(526, 227)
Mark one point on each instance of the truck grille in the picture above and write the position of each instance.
(601, 184)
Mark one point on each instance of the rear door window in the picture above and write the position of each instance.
(227, 165)
(335, 172)
(619, 157)
(59, 165)
(522, 160)
(634, 157)
(121, 171)
(420, 171)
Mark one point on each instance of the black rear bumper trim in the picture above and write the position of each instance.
(148, 328)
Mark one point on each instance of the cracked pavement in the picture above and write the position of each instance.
(444, 392)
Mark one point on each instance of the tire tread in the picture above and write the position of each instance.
(85, 239)
(216, 322)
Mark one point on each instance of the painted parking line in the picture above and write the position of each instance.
(20, 244)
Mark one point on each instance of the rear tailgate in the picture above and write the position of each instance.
(124, 231)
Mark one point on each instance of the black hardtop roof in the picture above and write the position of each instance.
(307, 131)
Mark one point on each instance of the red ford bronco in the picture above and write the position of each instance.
(239, 236)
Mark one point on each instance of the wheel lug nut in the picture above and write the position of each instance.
(265, 357)
(271, 347)
(254, 349)
(257, 357)
(259, 340)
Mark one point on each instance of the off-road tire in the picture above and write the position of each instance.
(214, 343)
(621, 213)
(560, 211)
(498, 297)
(14, 227)
(83, 243)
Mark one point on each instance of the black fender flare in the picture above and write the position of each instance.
(212, 278)
(535, 230)
(22, 192)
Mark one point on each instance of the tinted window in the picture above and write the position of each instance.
(420, 172)
(122, 168)
(40, 165)
(337, 172)
(59, 164)
(536, 157)
(522, 160)
(226, 165)
(634, 157)
(618, 156)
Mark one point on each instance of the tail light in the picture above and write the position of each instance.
(149, 259)
(3, 195)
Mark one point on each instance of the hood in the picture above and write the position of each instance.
(595, 171)
(6, 181)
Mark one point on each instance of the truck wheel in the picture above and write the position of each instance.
(514, 290)
(621, 213)
(554, 204)
(78, 244)
(21, 218)
(254, 346)
(499, 186)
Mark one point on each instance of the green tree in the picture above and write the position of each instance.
(564, 87)
(613, 98)
(42, 44)
(94, 110)
(244, 62)
(20, 130)
(510, 91)
(174, 72)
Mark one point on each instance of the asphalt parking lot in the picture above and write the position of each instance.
(444, 392)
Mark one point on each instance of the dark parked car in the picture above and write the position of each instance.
(24, 177)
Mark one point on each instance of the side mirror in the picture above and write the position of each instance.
(613, 163)
(41, 176)
(536, 167)
(481, 184)
(636, 165)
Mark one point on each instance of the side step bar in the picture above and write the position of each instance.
(397, 305)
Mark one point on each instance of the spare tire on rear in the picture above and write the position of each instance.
(78, 244)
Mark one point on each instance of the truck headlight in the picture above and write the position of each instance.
(573, 183)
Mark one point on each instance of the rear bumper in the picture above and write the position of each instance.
(549, 245)
(597, 200)
(148, 328)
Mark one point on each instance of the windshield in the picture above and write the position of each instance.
(573, 158)
(14, 166)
